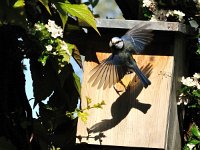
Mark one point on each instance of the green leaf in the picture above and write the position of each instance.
(196, 93)
(98, 105)
(70, 114)
(103, 102)
(43, 59)
(195, 131)
(184, 89)
(77, 83)
(192, 106)
(80, 11)
(19, 3)
(45, 3)
(64, 59)
(86, 3)
(62, 14)
(83, 116)
(194, 142)
(12, 15)
(62, 56)
(94, 3)
(54, 148)
(64, 18)
(186, 147)
(89, 101)
(75, 54)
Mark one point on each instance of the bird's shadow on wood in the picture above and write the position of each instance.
(123, 104)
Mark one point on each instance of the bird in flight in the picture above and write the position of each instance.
(120, 62)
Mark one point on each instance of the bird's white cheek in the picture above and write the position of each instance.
(120, 45)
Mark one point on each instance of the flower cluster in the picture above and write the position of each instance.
(190, 90)
(191, 81)
(49, 37)
(56, 31)
(190, 97)
(161, 14)
(150, 4)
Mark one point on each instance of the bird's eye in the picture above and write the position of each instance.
(116, 42)
(119, 45)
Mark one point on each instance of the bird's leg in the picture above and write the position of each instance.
(123, 85)
(118, 91)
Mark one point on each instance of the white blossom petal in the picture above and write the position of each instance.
(154, 18)
(190, 145)
(37, 27)
(188, 81)
(146, 3)
(196, 75)
(49, 47)
(56, 31)
(65, 47)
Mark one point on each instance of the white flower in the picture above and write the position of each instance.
(196, 75)
(182, 99)
(179, 102)
(191, 81)
(186, 101)
(154, 18)
(56, 33)
(198, 86)
(170, 13)
(180, 14)
(190, 145)
(146, 3)
(188, 81)
(37, 27)
(55, 30)
(49, 48)
(65, 47)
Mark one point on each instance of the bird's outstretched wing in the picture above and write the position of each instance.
(137, 38)
(107, 73)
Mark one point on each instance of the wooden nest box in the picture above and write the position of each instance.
(134, 117)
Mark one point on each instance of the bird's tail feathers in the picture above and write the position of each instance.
(145, 81)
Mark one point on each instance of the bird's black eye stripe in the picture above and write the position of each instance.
(118, 42)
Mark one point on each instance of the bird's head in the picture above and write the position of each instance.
(116, 43)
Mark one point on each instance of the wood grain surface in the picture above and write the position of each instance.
(133, 116)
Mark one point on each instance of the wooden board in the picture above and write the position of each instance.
(135, 117)
(153, 25)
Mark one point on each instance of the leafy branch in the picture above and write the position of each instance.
(82, 113)
(65, 9)
(193, 142)
(26, 33)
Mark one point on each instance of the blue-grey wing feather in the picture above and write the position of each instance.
(107, 73)
(137, 39)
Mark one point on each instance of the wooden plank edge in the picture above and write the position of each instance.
(152, 25)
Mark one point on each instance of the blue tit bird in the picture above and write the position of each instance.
(120, 62)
